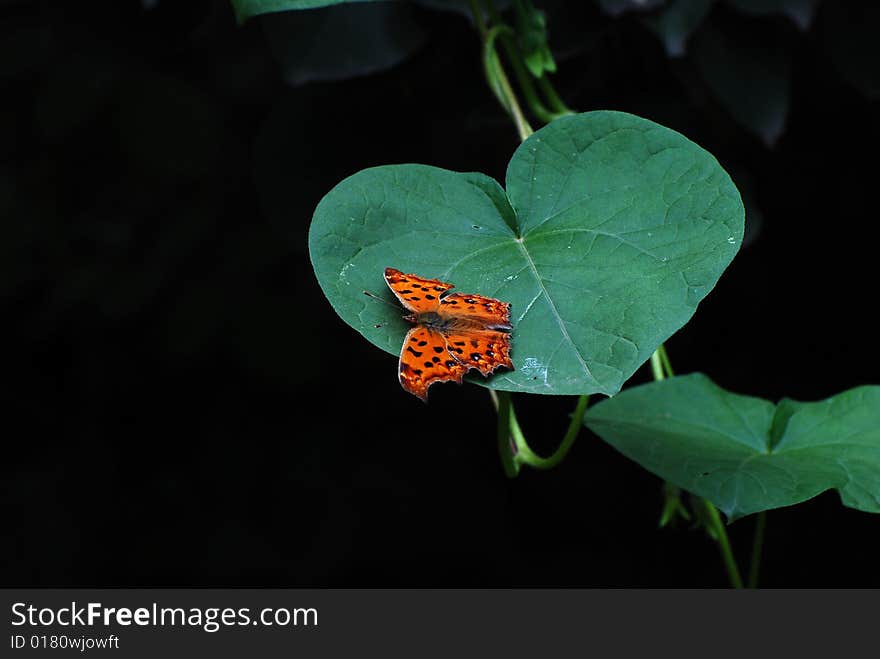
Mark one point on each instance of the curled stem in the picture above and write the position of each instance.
(524, 453)
(512, 444)
(505, 448)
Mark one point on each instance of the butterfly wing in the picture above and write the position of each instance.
(472, 334)
(425, 360)
(477, 310)
(485, 350)
(416, 293)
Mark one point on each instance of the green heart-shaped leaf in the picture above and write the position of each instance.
(746, 454)
(611, 231)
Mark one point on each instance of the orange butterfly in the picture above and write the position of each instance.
(452, 334)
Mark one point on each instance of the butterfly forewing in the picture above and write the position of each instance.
(417, 294)
(481, 310)
(425, 360)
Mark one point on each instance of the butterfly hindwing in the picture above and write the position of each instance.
(425, 360)
(485, 350)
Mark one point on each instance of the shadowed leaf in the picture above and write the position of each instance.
(746, 454)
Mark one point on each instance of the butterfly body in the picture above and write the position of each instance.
(447, 323)
(452, 333)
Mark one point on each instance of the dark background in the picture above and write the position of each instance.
(175, 415)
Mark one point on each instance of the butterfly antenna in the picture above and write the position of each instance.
(382, 300)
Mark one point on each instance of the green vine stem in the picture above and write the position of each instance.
(715, 527)
(495, 76)
(519, 452)
(525, 455)
(524, 78)
(556, 103)
(664, 360)
(657, 365)
(491, 66)
(757, 549)
(661, 368)
(505, 449)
